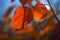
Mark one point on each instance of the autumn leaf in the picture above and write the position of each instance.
(12, 0)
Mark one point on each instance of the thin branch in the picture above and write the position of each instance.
(53, 11)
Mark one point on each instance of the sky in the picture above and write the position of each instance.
(4, 4)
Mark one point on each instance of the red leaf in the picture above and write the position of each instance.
(12, 0)
(18, 20)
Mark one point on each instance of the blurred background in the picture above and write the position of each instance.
(6, 30)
